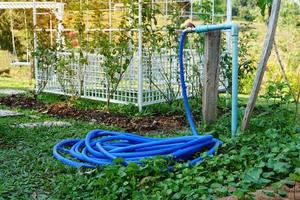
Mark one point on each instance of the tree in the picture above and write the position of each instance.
(6, 34)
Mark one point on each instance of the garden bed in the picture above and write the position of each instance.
(128, 123)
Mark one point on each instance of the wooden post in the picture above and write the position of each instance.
(211, 76)
(268, 44)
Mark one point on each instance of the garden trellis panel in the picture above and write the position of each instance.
(152, 75)
(155, 88)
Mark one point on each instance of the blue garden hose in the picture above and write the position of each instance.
(101, 147)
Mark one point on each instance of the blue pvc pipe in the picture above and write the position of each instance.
(235, 71)
(101, 147)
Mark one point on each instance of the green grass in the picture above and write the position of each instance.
(26, 161)
(266, 155)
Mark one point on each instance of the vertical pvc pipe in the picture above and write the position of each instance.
(51, 30)
(130, 11)
(13, 36)
(140, 55)
(228, 20)
(110, 21)
(192, 8)
(60, 40)
(213, 11)
(87, 21)
(166, 8)
(228, 43)
(35, 44)
(234, 109)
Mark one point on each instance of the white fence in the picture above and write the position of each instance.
(160, 78)
(153, 79)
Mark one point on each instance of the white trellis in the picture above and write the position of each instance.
(138, 86)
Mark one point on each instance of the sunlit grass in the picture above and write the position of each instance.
(18, 77)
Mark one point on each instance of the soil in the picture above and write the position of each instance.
(130, 124)
(22, 102)
(292, 193)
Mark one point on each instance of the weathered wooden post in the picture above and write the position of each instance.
(267, 48)
(211, 76)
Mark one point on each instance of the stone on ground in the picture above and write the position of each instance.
(44, 124)
(9, 113)
(11, 91)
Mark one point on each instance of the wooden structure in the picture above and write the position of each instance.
(211, 76)
(267, 48)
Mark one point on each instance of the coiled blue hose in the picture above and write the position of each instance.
(101, 147)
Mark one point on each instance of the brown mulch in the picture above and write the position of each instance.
(132, 124)
(21, 101)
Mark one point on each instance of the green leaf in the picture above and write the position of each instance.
(118, 160)
(253, 175)
(268, 174)
(278, 167)
(239, 193)
(282, 193)
(169, 191)
(281, 167)
(176, 196)
(277, 185)
(269, 193)
(216, 185)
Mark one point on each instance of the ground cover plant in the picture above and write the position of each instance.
(265, 158)
(266, 155)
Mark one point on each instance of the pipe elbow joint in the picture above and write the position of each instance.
(234, 29)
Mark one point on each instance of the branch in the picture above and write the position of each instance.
(283, 71)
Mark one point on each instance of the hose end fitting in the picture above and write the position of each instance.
(189, 30)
